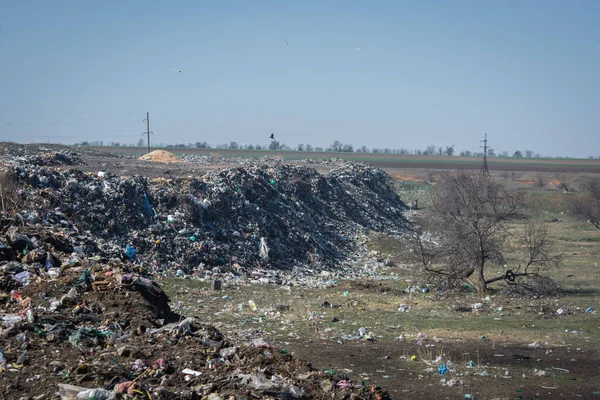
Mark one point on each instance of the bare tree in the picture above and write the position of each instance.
(336, 146)
(300, 147)
(308, 147)
(275, 145)
(429, 151)
(517, 154)
(469, 217)
(449, 151)
(528, 153)
(586, 206)
(563, 183)
(539, 180)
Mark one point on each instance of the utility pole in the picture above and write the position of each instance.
(484, 167)
(147, 120)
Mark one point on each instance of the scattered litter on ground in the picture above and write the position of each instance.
(82, 315)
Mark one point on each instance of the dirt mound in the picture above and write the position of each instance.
(160, 156)
(103, 333)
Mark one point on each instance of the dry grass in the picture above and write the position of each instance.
(9, 192)
(374, 304)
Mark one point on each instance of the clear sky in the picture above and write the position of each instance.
(527, 72)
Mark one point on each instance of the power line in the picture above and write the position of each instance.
(148, 129)
(69, 124)
(71, 112)
(177, 129)
(484, 167)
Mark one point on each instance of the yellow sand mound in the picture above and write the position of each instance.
(160, 156)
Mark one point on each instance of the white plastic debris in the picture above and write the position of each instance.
(252, 305)
(188, 371)
(263, 249)
(403, 308)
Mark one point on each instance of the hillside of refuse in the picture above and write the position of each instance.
(83, 316)
(269, 216)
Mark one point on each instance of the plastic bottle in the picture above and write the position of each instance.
(22, 358)
(30, 316)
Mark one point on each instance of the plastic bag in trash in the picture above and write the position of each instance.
(259, 381)
(442, 369)
(23, 278)
(130, 252)
(72, 392)
(264, 249)
(84, 279)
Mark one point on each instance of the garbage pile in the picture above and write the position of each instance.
(82, 318)
(256, 216)
(100, 331)
(47, 158)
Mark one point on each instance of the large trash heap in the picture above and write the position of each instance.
(219, 219)
(81, 316)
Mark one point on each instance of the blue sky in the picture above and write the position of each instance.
(427, 72)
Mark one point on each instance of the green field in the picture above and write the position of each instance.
(394, 161)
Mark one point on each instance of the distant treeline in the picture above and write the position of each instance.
(336, 147)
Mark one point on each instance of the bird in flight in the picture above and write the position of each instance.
(178, 70)
(272, 136)
(286, 42)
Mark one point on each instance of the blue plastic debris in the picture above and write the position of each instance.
(130, 252)
(149, 209)
(442, 369)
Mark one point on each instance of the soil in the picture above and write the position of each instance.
(390, 367)
(55, 356)
(160, 156)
